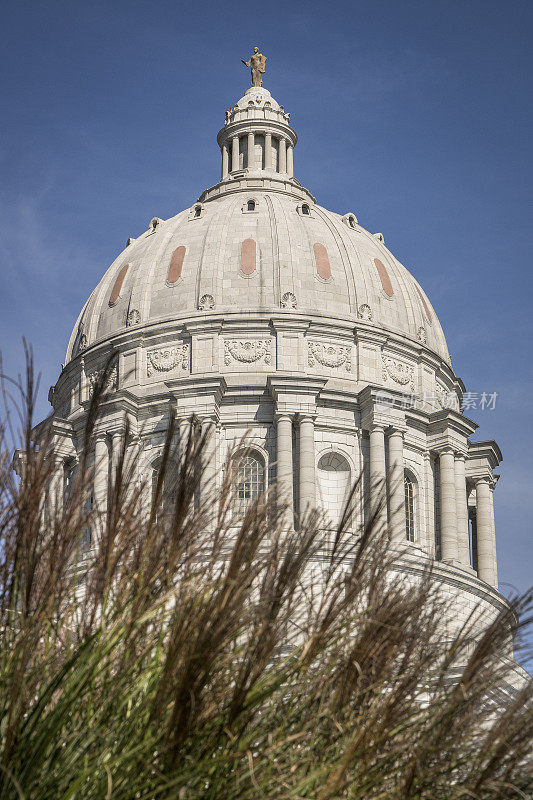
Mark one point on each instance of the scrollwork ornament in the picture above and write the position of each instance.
(421, 335)
(165, 359)
(134, 317)
(247, 351)
(365, 312)
(207, 302)
(288, 300)
(333, 356)
(111, 384)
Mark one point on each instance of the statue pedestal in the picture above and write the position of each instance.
(256, 89)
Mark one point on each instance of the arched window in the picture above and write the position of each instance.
(334, 479)
(351, 222)
(305, 209)
(250, 205)
(409, 489)
(250, 480)
(197, 211)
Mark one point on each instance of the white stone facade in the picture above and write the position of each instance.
(258, 310)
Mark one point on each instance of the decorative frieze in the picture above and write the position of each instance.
(398, 371)
(333, 356)
(247, 351)
(166, 359)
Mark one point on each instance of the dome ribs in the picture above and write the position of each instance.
(176, 265)
(117, 286)
(426, 307)
(340, 243)
(384, 277)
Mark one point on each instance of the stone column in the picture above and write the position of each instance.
(183, 435)
(235, 153)
(225, 160)
(448, 506)
(463, 538)
(493, 530)
(282, 155)
(429, 497)
(486, 549)
(396, 487)
(57, 485)
(290, 161)
(116, 447)
(207, 485)
(101, 473)
(268, 151)
(284, 464)
(378, 496)
(307, 464)
(251, 151)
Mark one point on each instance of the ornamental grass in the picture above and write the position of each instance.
(194, 653)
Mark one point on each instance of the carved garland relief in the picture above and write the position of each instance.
(398, 371)
(247, 351)
(165, 359)
(333, 356)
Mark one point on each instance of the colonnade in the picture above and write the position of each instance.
(385, 500)
(455, 536)
(452, 490)
(285, 158)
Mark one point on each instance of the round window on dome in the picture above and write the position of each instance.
(306, 210)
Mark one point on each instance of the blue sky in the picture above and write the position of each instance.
(415, 115)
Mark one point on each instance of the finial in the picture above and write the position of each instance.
(257, 66)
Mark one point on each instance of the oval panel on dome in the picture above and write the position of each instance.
(322, 261)
(248, 256)
(117, 286)
(176, 264)
(384, 277)
(426, 307)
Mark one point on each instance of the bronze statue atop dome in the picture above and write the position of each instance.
(257, 66)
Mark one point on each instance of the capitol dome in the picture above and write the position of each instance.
(256, 310)
(258, 243)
